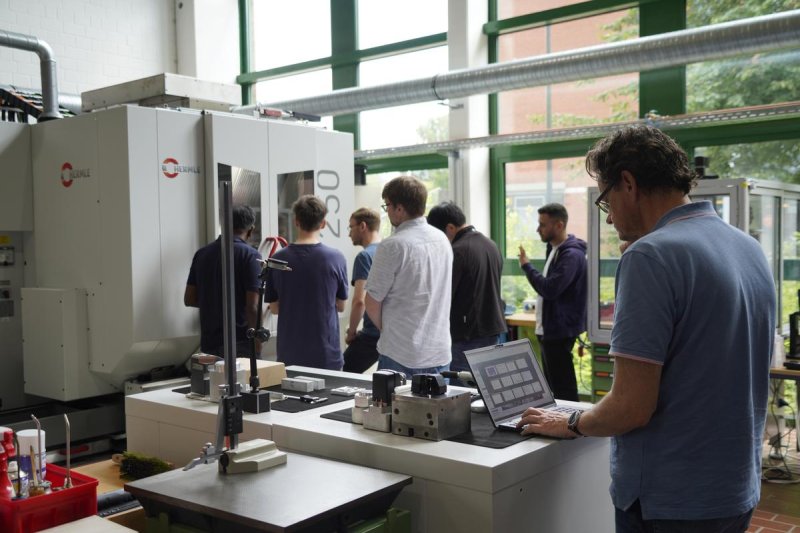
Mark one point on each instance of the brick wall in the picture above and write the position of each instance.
(96, 43)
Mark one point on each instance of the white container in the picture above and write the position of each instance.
(30, 438)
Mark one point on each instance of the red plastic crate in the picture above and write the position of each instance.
(48, 510)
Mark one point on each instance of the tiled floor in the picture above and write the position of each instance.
(779, 509)
(765, 522)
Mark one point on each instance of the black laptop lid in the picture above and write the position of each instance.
(509, 379)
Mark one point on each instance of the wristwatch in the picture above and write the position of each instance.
(572, 423)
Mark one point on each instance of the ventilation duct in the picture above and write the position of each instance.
(47, 66)
(742, 115)
(719, 41)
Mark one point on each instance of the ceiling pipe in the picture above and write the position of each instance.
(742, 115)
(718, 41)
(47, 66)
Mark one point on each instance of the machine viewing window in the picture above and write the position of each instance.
(247, 191)
(291, 186)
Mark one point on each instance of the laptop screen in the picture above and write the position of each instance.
(509, 378)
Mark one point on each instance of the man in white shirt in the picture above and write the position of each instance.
(409, 285)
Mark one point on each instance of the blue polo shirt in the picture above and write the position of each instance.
(206, 275)
(361, 268)
(695, 295)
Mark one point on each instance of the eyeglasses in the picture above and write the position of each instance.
(385, 207)
(601, 203)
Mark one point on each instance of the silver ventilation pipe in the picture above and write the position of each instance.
(47, 66)
(719, 41)
(742, 115)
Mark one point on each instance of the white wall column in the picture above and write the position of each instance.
(468, 48)
(208, 39)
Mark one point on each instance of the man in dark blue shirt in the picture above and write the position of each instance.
(310, 296)
(204, 286)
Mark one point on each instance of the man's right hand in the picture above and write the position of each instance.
(349, 337)
(523, 257)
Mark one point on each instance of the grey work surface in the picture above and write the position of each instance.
(299, 495)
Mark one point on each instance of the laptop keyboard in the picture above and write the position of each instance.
(512, 424)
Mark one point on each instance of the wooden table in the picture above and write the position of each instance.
(526, 320)
(305, 494)
(521, 325)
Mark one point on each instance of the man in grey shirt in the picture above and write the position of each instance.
(409, 285)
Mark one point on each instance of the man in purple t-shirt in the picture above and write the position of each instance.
(309, 297)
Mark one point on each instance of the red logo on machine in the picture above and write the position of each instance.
(66, 181)
(69, 174)
(165, 167)
(171, 168)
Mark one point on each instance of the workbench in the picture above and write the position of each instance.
(304, 494)
(539, 484)
(168, 425)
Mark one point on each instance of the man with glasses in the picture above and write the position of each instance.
(561, 303)
(408, 288)
(693, 334)
(362, 346)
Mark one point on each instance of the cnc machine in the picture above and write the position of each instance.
(100, 215)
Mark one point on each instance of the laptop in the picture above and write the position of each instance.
(510, 380)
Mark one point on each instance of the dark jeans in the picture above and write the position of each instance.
(631, 521)
(361, 354)
(558, 368)
(459, 361)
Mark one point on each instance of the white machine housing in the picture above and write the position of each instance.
(119, 201)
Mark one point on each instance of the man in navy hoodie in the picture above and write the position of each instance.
(561, 305)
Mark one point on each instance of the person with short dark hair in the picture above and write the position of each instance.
(204, 287)
(693, 333)
(309, 297)
(408, 288)
(362, 346)
(476, 308)
(561, 304)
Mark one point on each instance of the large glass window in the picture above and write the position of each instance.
(408, 124)
(790, 242)
(297, 86)
(530, 185)
(773, 161)
(381, 22)
(514, 8)
(759, 79)
(598, 100)
(290, 32)
(435, 180)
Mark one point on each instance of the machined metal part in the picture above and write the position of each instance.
(431, 417)
(378, 418)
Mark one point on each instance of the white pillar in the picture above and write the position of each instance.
(469, 117)
(208, 39)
